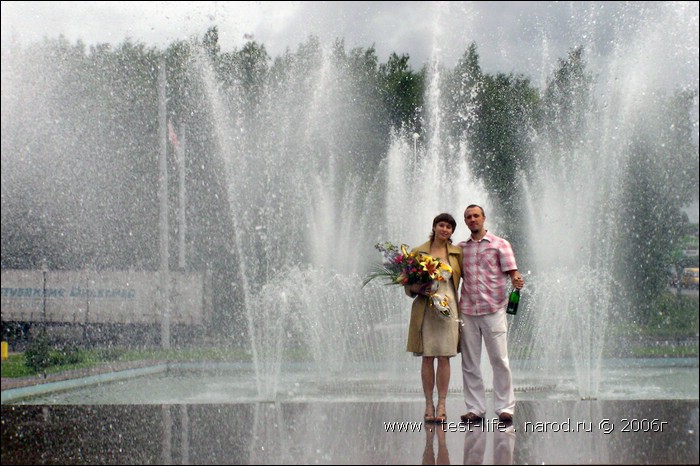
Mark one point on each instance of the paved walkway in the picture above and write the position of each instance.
(546, 431)
(368, 432)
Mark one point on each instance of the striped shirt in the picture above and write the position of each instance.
(484, 274)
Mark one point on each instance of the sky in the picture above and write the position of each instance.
(519, 37)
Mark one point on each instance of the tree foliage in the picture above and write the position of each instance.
(402, 91)
(500, 142)
(661, 167)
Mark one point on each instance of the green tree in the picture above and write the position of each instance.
(464, 85)
(500, 141)
(566, 103)
(402, 90)
(662, 173)
(85, 132)
(210, 43)
(362, 116)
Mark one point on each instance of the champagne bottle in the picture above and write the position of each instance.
(513, 301)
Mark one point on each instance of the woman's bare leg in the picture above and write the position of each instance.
(427, 373)
(443, 383)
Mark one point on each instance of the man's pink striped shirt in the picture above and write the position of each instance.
(484, 274)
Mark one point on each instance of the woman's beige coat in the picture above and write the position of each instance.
(420, 302)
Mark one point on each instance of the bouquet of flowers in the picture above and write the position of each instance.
(404, 268)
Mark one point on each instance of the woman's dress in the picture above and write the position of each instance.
(440, 334)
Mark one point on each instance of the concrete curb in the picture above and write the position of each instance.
(72, 379)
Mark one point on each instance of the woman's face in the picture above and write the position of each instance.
(443, 230)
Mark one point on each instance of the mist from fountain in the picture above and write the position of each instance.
(575, 187)
(310, 220)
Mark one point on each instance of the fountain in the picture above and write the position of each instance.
(311, 188)
(574, 225)
(311, 255)
(313, 216)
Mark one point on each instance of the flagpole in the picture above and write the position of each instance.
(163, 224)
(183, 225)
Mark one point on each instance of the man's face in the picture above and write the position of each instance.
(474, 219)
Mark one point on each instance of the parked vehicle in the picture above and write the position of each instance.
(690, 277)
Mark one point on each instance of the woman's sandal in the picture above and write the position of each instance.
(429, 415)
(442, 415)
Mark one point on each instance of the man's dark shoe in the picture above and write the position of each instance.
(505, 418)
(470, 418)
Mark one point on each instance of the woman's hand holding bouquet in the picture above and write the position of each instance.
(421, 272)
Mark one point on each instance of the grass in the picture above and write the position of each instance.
(14, 366)
(664, 352)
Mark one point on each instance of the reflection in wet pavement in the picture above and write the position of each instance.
(328, 432)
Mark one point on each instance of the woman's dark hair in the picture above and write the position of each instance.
(443, 217)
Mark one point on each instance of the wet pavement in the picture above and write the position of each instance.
(330, 432)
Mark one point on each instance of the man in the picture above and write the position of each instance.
(487, 265)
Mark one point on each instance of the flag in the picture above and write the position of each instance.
(172, 135)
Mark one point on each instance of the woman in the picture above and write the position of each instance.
(430, 335)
